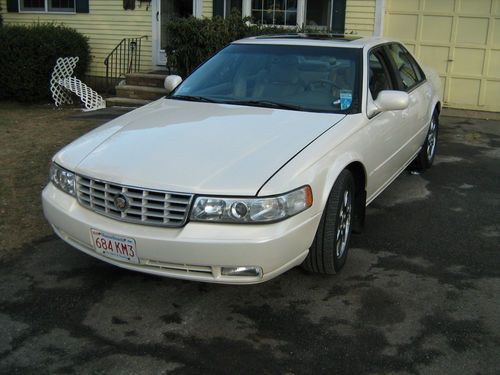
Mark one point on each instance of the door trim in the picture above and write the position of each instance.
(159, 58)
(155, 32)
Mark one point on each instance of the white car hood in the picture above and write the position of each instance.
(195, 147)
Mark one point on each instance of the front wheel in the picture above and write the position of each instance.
(328, 252)
(425, 157)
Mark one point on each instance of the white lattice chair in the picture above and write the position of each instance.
(62, 83)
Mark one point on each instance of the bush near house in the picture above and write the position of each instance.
(190, 41)
(29, 53)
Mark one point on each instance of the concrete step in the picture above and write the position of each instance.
(146, 79)
(140, 92)
(126, 102)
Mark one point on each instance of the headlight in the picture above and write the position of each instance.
(62, 178)
(252, 210)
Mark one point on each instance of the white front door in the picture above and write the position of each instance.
(164, 11)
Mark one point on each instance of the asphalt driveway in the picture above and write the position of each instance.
(420, 294)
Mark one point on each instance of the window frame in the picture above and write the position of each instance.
(336, 16)
(386, 66)
(413, 64)
(262, 10)
(46, 8)
(357, 102)
(330, 15)
(227, 9)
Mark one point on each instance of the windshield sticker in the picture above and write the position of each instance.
(345, 99)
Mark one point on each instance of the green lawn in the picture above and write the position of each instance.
(29, 136)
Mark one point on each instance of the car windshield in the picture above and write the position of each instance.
(304, 78)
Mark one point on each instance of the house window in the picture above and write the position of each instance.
(233, 4)
(319, 13)
(274, 12)
(61, 5)
(33, 5)
(47, 5)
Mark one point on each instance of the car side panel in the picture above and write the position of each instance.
(388, 147)
(417, 118)
(384, 145)
(390, 130)
(321, 162)
(418, 114)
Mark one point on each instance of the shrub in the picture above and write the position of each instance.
(28, 56)
(190, 41)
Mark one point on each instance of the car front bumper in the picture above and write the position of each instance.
(197, 251)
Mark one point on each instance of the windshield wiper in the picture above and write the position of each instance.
(266, 103)
(192, 98)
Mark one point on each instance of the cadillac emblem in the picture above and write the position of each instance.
(121, 202)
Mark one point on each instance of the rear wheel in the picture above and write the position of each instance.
(425, 157)
(328, 252)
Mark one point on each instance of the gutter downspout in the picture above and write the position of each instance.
(379, 18)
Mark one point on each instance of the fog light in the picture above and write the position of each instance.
(242, 271)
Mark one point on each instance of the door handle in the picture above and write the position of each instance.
(157, 16)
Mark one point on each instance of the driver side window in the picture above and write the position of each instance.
(379, 78)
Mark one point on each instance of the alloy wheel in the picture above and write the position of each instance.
(431, 139)
(344, 224)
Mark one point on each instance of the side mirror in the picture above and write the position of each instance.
(171, 82)
(389, 100)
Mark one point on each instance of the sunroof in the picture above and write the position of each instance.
(315, 36)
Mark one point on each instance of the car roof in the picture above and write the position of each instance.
(318, 40)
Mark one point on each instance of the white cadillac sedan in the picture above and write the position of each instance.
(263, 159)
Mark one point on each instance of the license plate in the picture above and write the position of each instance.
(114, 246)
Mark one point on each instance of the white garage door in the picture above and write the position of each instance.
(460, 39)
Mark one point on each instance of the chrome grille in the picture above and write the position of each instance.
(149, 207)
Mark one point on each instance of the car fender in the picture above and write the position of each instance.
(433, 77)
(321, 162)
(437, 88)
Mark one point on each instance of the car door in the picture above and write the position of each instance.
(411, 79)
(386, 129)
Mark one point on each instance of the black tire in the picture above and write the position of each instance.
(425, 157)
(328, 252)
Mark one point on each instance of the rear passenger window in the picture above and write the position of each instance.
(408, 70)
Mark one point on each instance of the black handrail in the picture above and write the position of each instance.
(124, 58)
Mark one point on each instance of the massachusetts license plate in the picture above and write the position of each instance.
(114, 246)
